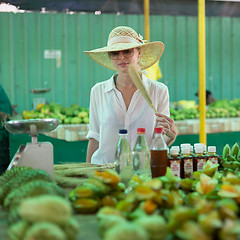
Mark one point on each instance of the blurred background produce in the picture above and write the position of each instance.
(181, 110)
(220, 109)
(73, 114)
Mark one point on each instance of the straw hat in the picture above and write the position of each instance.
(122, 38)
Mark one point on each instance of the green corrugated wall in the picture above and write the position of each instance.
(25, 36)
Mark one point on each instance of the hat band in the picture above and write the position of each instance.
(122, 39)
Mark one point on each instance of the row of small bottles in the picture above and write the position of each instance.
(153, 162)
(185, 163)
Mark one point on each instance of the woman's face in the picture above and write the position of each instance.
(122, 59)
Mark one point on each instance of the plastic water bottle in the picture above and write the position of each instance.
(141, 155)
(123, 158)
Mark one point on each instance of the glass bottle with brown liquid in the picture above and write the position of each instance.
(159, 156)
(212, 156)
(200, 159)
(187, 161)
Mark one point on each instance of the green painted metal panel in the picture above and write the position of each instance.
(25, 38)
(235, 57)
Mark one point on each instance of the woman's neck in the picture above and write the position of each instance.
(124, 80)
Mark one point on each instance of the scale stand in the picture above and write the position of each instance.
(38, 155)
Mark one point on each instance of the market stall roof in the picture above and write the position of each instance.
(165, 7)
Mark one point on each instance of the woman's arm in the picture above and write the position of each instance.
(93, 145)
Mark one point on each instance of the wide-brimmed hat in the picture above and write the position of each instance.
(122, 38)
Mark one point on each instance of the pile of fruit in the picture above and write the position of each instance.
(220, 109)
(104, 189)
(36, 206)
(206, 206)
(66, 115)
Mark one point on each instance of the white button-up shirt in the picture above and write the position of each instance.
(108, 114)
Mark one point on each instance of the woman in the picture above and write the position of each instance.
(117, 103)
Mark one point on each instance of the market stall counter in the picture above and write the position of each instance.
(75, 151)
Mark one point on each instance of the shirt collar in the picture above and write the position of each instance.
(110, 83)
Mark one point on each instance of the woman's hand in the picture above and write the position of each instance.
(168, 126)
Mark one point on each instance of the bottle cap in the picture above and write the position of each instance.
(198, 144)
(175, 147)
(199, 149)
(141, 130)
(185, 150)
(212, 149)
(122, 131)
(158, 130)
(183, 145)
(201, 146)
(174, 151)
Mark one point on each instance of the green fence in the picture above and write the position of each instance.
(26, 60)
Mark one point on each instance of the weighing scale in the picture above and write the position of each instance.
(38, 155)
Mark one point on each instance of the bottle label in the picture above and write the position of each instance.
(213, 160)
(175, 167)
(188, 168)
(200, 164)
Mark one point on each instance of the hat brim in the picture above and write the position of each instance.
(150, 53)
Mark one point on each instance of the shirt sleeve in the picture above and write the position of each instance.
(163, 106)
(93, 117)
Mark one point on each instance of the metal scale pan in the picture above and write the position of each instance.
(38, 155)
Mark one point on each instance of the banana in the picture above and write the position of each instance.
(234, 150)
(226, 151)
(230, 158)
(228, 166)
(238, 156)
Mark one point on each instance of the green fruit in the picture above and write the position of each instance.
(187, 184)
(234, 150)
(82, 114)
(226, 151)
(76, 120)
(67, 120)
(230, 158)
(86, 120)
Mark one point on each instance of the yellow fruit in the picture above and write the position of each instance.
(85, 205)
(109, 178)
(81, 192)
(82, 114)
(144, 192)
(39, 106)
